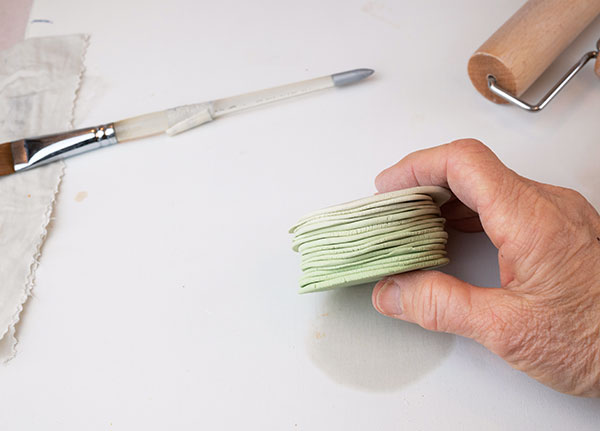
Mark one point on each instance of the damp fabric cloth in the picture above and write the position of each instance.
(39, 81)
(367, 239)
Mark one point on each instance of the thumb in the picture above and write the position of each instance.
(439, 302)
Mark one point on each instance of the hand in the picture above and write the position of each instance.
(545, 320)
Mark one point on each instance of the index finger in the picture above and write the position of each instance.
(467, 167)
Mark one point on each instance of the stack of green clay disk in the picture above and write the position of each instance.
(368, 239)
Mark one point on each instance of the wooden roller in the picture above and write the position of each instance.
(519, 52)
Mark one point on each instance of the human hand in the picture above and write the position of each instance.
(545, 318)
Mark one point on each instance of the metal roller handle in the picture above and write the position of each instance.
(501, 92)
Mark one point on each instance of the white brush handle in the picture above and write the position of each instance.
(141, 126)
(171, 121)
(181, 118)
(262, 97)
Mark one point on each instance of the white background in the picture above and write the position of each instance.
(167, 298)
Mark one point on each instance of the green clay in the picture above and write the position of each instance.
(418, 223)
(395, 256)
(333, 263)
(369, 276)
(313, 273)
(439, 195)
(364, 240)
(361, 240)
(341, 254)
(323, 221)
(375, 218)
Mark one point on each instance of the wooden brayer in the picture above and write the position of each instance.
(506, 65)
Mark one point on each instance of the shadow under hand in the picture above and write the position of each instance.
(356, 346)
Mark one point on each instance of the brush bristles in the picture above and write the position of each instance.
(6, 160)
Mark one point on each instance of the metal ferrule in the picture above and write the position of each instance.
(31, 152)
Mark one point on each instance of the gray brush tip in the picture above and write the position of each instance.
(350, 76)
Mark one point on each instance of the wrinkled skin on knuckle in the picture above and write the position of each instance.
(502, 208)
(448, 310)
(433, 307)
(478, 163)
(429, 306)
(468, 147)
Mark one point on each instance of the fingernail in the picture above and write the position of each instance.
(389, 300)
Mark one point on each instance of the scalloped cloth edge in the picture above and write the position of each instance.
(39, 84)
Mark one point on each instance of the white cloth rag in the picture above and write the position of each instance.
(39, 81)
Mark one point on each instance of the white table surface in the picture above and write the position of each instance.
(167, 298)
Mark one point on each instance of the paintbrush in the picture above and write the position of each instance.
(28, 153)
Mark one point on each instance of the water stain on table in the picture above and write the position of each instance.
(81, 196)
(385, 11)
(358, 347)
